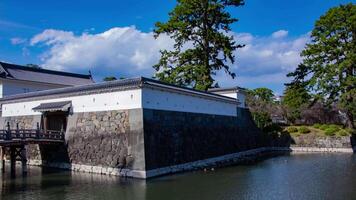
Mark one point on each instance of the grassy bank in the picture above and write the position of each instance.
(323, 130)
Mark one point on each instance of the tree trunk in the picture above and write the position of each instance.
(350, 120)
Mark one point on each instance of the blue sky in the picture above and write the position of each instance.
(114, 37)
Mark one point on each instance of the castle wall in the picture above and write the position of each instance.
(99, 142)
(132, 132)
(174, 138)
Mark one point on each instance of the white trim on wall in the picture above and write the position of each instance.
(174, 101)
(150, 98)
(129, 99)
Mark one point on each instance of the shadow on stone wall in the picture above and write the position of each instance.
(173, 138)
(353, 142)
(54, 153)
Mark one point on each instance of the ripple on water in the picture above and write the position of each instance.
(302, 176)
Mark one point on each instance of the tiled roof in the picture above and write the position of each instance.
(53, 106)
(229, 89)
(18, 72)
(117, 85)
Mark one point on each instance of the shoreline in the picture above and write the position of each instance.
(249, 156)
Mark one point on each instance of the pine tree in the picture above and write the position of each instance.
(203, 46)
(329, 61)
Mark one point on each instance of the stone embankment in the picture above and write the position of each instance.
(313, 143)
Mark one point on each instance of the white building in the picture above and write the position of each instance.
(234, 92)
(151, 127)
(17, 79)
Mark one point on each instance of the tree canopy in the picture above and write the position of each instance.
(263, 94)
(203, 45)
(295, 98)
(110, 78)
(260, 103)
(329, 60)
(34, 66)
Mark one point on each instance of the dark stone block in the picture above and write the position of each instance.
(173, 138)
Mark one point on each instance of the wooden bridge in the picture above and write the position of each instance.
(13, 142)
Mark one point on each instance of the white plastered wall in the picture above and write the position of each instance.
(131, 99)
(164, 100)
(119, 100)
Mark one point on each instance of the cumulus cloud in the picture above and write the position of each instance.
(130, 51)
(124, 49)
(280, 34)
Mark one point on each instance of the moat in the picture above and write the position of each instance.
(300, 176)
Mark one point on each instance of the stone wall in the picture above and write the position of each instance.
(100, 139)
(310, 140)
(108, 139)
(24, 122)
(173, 138)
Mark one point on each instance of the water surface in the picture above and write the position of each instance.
(302, 176)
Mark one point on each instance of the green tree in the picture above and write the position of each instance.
(34, 66)
(263, 94)
(329, 60)
(202, 43)
(260, 103)
(295, 98)
(110, 78)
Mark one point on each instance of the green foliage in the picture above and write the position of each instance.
(34, 66)
(262, 119)
(110, 78)
(350, 131)
(303, 129)
(317, 126)
(273, 128)
(292, 129)
(343, 132)
(295, 97)
(263, 94)
(324, 127)
(331, 131)
(262, 107)
(334, 126)
(329, 63)
(202, 43)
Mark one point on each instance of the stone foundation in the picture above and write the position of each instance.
(24, 122)
(322, 142)
(145, 143)
(111, 141)
(174, 138)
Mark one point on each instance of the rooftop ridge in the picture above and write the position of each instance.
(123, 84)
(41, 70)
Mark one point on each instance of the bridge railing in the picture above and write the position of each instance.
(23, 134)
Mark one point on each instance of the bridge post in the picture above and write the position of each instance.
(13, 160)
(38, 131)
(2, 159)
(17, 130)
(23, 160)
(8, 133)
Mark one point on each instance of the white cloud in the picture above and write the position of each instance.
(132, 52)
(280, 34)
(17, 41)
(124, 49)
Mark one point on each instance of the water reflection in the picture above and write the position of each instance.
(305, 176)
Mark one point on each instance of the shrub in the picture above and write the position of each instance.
(317, 126)
(304, 130)
(272, 128)
(331, 131)
(262, 119)
(324, 127)
(334, 126)
(351, 131)
(343, 132)
(292, 129)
